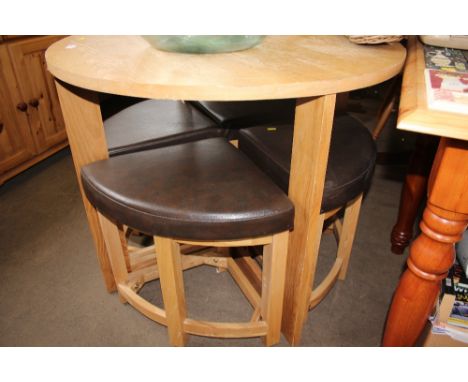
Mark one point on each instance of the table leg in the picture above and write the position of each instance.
(80, 108)
(432, 253)
(413, 190)
(312, 133)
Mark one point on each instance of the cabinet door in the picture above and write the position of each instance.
(38, 90)
(16, 144)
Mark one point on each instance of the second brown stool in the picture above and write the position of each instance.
(157, 123)
(351, 162)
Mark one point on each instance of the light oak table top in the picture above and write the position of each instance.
(279, 67)
(414, 115)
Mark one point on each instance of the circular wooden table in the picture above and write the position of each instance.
(311, 69)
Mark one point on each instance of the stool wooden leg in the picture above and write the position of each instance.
(350, 222)
(273, 280)
(111, 235)
(345, 232)
(172, 286)
(123, 243)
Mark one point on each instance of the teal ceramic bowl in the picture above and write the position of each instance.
(203, 44)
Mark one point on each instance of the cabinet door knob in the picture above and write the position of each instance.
(22, 106)
(34, 102)
(1, 127)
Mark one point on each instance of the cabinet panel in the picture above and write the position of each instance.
(16, 144)
(38, 90)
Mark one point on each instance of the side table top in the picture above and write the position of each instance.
(414, 115)
(279, 67)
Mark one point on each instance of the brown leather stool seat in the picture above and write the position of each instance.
(351, 159)
(156, 123)
(204, 190)
(238, 114)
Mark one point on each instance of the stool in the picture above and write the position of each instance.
(157, 123)
(234, 115)
(205, 194)
(350, 167)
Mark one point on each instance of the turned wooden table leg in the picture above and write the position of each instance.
(81, 108)
(413, 191)
(432, 253)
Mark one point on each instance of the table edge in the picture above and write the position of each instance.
(414, 115)
(209, 93)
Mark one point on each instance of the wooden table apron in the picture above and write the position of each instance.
(446, 215)
(311, 69)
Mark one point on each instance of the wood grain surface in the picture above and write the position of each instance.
(279, 67)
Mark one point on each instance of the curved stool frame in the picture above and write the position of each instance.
(344, 232)
(167, 260)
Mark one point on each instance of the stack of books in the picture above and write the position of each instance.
(446, 77)
(462, 253)
(451, 314)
